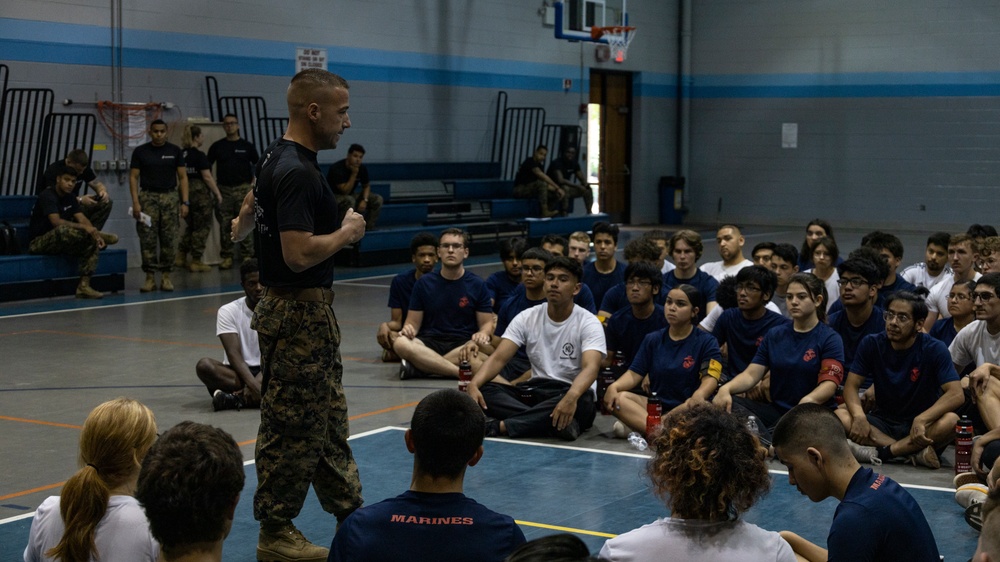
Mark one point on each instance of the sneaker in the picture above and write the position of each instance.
(166, 284)
(570, 432)
(287, 544)
(864, 453)
(406, 370)
(149, 285)
(197, 267)
(974, 516)
(88, 292)
(226, 401)
(620, 430)
(926, 457)
(964, 478)
(492, 427)
(227, 263)
(971, 493)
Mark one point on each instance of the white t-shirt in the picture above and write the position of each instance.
(937, 300)
(975, 344)
(832, 288)
(555, 349)
(121, 536)
(719, 271)
(917, 275)
(667, 267)
(708, 323)
(694, 541)
(234, 318)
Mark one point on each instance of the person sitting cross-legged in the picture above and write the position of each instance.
(916, 389)
(424, 255)
(565, 346)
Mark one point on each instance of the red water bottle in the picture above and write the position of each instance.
(604, 380)
(618, 366)
(653, 412)
(464, 376)
(963, 445)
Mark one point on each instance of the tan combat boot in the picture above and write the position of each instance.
(150, 284)
(287, 544)
(85, 291)
(196, 266)
(226, 264)
(165, 284)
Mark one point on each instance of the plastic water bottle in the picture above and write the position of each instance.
(637, 441)
(464, 376)
(653, 412)
(618, 366)
(752, 426)
(604, 380)
(963, 445)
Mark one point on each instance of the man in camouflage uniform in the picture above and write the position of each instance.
(234, 160)
(156, 171)
(303, 432)
(58, 226)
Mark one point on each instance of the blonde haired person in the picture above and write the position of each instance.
(96, 518)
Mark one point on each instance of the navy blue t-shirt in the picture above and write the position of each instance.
(584, 299)
(617, 298)
(500, 285)
(450, 306)
(625, 332)
(419, 526)
(899, 284)
(401, 289)
(701, 280)
(906, 382)
(675, 367)
(879, 521)
(944, 330)
(851, 336)
(600, 283)
(743, 336)
(795, 360)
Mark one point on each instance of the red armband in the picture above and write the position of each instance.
(831, 370)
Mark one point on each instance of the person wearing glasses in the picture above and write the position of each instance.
(448, 308)
(963, 252)
(962, 310)
(859, 317)
(529, 292)
(234, 160)
(916, 390)
(642, 315)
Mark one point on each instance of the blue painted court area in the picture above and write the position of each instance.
(593, 492)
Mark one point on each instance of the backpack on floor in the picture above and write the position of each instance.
(8, 240)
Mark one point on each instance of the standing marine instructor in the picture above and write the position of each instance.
(303, 432)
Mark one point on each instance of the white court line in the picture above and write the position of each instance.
(350, 284)
(914, 486)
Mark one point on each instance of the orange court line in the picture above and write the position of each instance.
(40, 422)
(123, 338)
(31, 491)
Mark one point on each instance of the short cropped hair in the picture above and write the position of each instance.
(918, 308)
(540, 254)
(763, 246)
(541, 147)
(884, 241)
(157, 122)
(356, 148)
(63, 169)
(644, 270)
(604, 227)
(641, 249)
(691, 238)
(511, 247)
(786, 252)
(233, 115)
(874, 256)
(248, 268)
(657, 234)
(762, 276)
(188, 484)
(957, 239)
(990, 280)
(447, 429)
(580, 236)
(981, 231)
(939, 239)
(78, 156)
(811, 425)
(422, 239)
(456, 232)
(569, 265)
(862, 267)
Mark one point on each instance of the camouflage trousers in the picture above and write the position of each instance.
(98, 213)
(371, 213)
(198, 223)
(163, 209)
(66, 240)
(538, 189)
(303, 432)
(232, 200)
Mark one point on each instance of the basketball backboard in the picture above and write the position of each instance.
(575, 18)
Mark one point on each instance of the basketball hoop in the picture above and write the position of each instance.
(618, 37)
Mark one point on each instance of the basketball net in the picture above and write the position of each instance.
(618, 37)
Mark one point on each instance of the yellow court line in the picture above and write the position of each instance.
(565, 529)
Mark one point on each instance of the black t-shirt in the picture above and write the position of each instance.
(48, 178)
(568, 168)
(526, 174)
(340, 173)
(196, 161)
(292, 194)
(157, 166)
(49, 202)
(234, 160)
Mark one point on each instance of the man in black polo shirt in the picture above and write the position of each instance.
(157, 170)
(345, 176)
(532, 183)
(58, 226)
(96, 207)
(234, 160)
(566, 172)
(303, 432)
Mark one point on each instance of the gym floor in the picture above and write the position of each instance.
(59, 358)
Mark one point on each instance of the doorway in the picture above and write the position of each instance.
(609, 141)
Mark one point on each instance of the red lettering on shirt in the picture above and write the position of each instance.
(914, 374)
(397, 519)
(688, 362)
(809, 355)
(759, 340)
(463, 302)
(878, 482)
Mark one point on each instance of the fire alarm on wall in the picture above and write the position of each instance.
(602, 52)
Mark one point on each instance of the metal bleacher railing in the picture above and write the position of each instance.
(517, 131)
